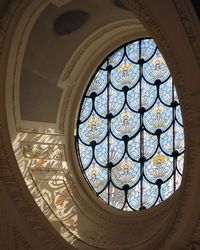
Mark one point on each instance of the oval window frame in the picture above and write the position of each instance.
(123, 45)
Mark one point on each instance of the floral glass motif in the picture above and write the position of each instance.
(130, 137)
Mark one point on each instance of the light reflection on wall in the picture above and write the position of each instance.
(42, 162)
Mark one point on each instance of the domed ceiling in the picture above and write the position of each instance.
(57, 46)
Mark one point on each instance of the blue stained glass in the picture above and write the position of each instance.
(125, 123)
(86, 110)
(125, 172)
(97, 176)
(165, 92)
(125, 74)
(93, 129)
(116, 197)
(116, 57)
(179, 115)
(160, 167)
(130, 135)
(98, 84)
(156, 69)
(148, 47)
(180, 161)
(86, 154)
(149, 147)
(134, 197)
(150, 194)
(158, 117)
(116, 102)
(167, 189)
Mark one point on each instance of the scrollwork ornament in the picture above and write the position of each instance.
(43, 151)
(189, 27)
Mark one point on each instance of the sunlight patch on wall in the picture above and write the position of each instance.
(42, 162)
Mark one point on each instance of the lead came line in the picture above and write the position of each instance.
(154, 120)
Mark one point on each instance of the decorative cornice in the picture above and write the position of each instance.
(189, 27)
(43, 131)
(43, 151)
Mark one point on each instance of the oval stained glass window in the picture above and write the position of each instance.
(130, 137)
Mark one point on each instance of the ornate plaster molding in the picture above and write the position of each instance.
(189, 27)
(43, 151)
(41, 131)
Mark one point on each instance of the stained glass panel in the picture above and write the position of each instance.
(130, 136)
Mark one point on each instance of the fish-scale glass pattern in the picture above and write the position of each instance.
(130, 136)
